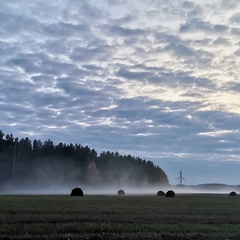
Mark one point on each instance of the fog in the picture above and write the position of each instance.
(88, 190)
(112, 190)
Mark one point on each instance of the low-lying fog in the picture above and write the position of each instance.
(66, 190)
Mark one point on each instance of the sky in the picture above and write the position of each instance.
(154, 79)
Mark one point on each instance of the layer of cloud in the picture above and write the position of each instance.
(152, 78)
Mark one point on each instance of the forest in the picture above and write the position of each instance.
(25, 163)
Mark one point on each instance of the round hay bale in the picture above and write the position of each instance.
(121, 192)
(232, 194)
(77, 192)
(170, 193)
(161, 193)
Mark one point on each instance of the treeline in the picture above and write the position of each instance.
(26, 163)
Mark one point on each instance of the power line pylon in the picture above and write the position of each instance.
(181, 178)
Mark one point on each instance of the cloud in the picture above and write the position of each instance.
(61, 29)
(221, 41)
(126, 32)
(196, 24)
(152, 78)
(235, 18)
(131, 75)
(234, 86)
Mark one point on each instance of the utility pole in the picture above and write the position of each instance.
(14, 163)
(181, 178)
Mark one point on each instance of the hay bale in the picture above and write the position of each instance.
(121, 192)
(77, 192)
(161, 193)
(232, 194)
(170, 193)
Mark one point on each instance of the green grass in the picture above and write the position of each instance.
(119, 217)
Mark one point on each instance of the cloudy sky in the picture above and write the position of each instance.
(152, 78)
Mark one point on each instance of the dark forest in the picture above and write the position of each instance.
(25, 163)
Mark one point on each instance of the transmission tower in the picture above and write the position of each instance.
(181, 178)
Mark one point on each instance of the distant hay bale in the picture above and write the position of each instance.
(161, 193)
(170, 193)
(121, 192)
(232, 194)
(77, 192)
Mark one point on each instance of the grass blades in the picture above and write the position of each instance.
(119, 217)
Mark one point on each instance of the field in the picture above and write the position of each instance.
(195, 216)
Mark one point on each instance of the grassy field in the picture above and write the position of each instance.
(119, 217)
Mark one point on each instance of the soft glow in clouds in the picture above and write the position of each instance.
(154, 79)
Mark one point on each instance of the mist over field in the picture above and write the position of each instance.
(129, 190)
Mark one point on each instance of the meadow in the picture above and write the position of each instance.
(186, 216)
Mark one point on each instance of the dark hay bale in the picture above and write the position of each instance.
(161, 193)
(232, 194)
(121, 192)
(170, 193)
(77, 192)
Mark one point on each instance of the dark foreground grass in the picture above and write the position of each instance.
(120, 217)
